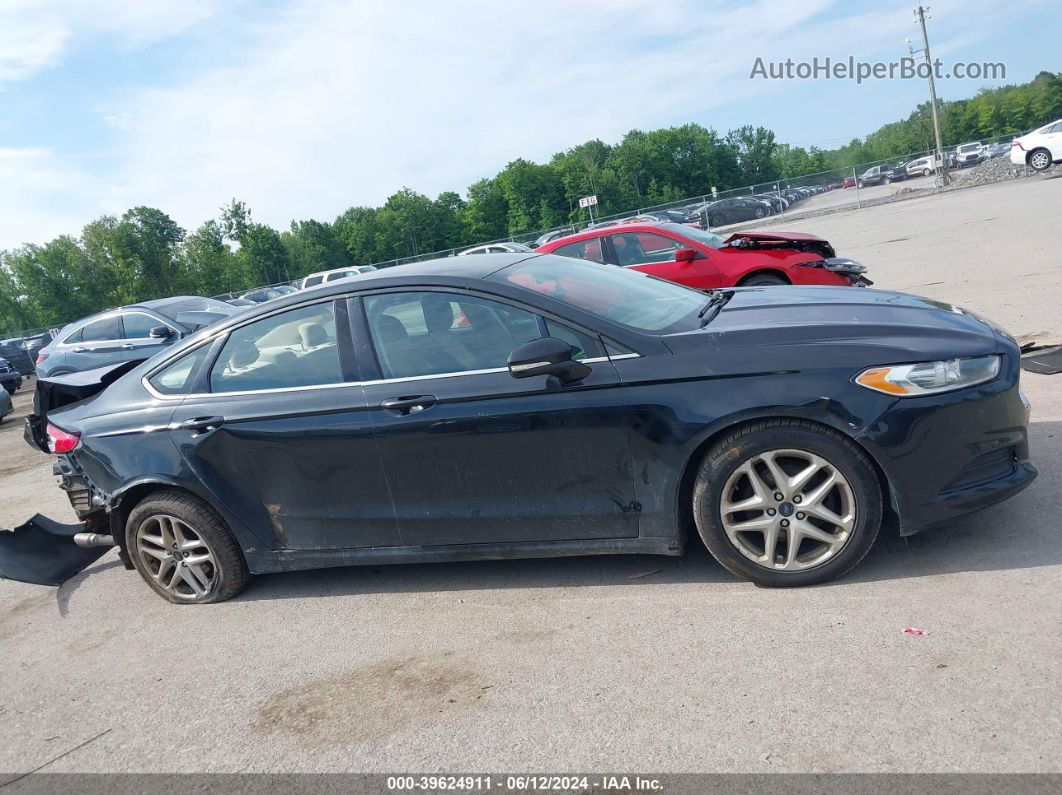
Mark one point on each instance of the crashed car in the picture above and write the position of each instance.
(705, 261)
(513, 405)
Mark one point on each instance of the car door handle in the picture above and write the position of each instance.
(80, 349)
(128, 346)
(409, 405)
(202, 424)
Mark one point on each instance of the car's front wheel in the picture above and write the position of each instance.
(926, 172)
(784, 502)
(1040, 160)
(183, 550)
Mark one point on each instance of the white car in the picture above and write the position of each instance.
(497, 248)
(1040, 148)
(969, 154)
(321, 277)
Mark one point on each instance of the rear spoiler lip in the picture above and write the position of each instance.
(66, 390)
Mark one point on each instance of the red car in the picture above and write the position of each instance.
(704, 261)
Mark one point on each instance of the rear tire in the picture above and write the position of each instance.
(764, 280)
(926, 172)
(183, 549)
(1039, 160)
(824, 548)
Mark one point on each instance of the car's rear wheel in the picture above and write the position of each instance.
(763, 280)
(784, 502)
(760, 212)
(926, 172)
(1040, 160)
(888, 180)
(183, 550)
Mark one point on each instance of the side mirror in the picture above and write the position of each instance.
(546, 356)
(161, 332)
(686, 255)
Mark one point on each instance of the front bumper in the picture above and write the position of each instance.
(951, 454)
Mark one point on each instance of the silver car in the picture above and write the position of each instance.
(129, 333)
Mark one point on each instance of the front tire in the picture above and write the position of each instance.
(1039, 160)
(926, 172)
(183, 550)
(784, 502)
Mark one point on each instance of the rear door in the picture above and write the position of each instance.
(475, 456)
(280, 433)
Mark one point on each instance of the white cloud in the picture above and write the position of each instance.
(321, 104)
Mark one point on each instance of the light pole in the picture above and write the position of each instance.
(920, 18)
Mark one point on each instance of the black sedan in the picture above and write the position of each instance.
(10, 378)
(509, 406)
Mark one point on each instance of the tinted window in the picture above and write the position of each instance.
(289, 349)
(584, 249)
(427, 333)
(341, 275)
(176, 378)
(583, 345)
(636, 248)
(138, 325)
(312, 280)
(107, 328)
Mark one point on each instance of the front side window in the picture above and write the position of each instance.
(639, 248)
(429, 333)
(138, 325)
(176, 378)
(628, 297)
(584, 249)
(102, 330)
(296, 348)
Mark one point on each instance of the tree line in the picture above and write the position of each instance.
(145, 254)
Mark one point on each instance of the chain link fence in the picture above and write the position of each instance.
(805, 196)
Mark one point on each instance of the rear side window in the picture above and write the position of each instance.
(584, 249)
(107, 328)
(290, 349)
(176, 378)
(312, 281)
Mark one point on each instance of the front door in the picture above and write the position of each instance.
(281, 435)
(475, 456)
(655, 254)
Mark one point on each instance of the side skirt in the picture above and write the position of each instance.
(271, 561)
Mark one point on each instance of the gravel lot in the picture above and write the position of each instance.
(610, 664)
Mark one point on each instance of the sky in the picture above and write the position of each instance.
(303, 108)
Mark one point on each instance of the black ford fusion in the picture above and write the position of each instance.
(510, 406)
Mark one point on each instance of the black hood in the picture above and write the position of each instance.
(799, 327)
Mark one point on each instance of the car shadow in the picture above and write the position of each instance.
(1017, 534)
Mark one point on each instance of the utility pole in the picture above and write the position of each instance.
(920, 13)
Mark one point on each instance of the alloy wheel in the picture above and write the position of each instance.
(1039, 160)
(176, 557)
(788, 510)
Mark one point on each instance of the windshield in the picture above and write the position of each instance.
(195, 305)
(627, 297)
(970, 148)
(695, 234)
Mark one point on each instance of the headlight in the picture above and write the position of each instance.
(928, 378)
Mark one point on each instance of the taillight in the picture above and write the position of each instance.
(1017, 144)
(59, 441)
(41, 357)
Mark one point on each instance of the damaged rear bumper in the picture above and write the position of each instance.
(43, 551)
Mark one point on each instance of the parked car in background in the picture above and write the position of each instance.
(10, 378)
(882, 175)
(128, 333)
(593, 410)
(703, 260)
(849, 182)
(14, 350)
(996, 150)
(6, 406)
(323, 277)
(969, 154)
(496, 248)
(1038, 149)
(263, 294)
(731, 210)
